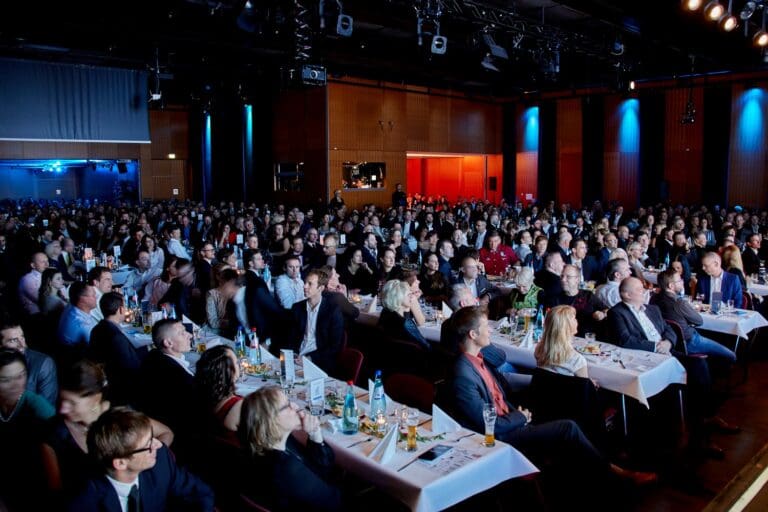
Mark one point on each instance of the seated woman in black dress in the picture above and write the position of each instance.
(280, 473)
(432, 282)
(389, 269)
(82, 398)
(356, 275)
(402, 314)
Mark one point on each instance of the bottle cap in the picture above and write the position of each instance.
(350, 383)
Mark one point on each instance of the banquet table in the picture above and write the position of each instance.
(469, 468)
(758, 289)
(739, 323)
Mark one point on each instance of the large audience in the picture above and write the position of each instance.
(85, 412)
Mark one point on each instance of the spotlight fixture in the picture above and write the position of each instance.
(488, 63)
(760, 39)
(729, 22)
(344, 25)
(439, 44)
(692, 5)
(748, 10)
(495, 50)
(617, 48)
(714, 10)
(632, 85)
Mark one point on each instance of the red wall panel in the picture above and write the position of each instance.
(569, 151)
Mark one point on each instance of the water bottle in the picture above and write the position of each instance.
(240, 342)
(378, 400)
(349, 417)
(539, 328)
(761, 273)
(171, 311)
(267, 276)
(254, 352)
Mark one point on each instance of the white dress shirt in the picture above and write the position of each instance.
(123, 490)
(309, 343)
(181, 361)
(651, 334)
(289, 291)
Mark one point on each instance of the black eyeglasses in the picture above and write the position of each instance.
(146, 448)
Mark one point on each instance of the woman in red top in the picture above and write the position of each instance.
(217, 372)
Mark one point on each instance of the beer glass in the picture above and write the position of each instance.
(412, 424)
(489, 417)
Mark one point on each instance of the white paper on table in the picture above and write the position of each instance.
(503, 322)
(370, 396)
(311, 370)
(442, 423)
(266, 355)
(333, 425)
(528, 341)
(447, 312)
(288, 366)
(316, 390)
(213, 342)
(386, 448)
(372, 305)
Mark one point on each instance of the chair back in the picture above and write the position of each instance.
(746, 300)
(555, 397)
(411, 390)
(678, 330)
(348, 364)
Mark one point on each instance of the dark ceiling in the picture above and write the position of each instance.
(209, 44)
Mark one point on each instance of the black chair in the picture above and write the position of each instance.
(680, 346)
(556, 397)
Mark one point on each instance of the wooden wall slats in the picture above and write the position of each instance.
(569, 143)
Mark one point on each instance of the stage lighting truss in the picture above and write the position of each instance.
(751, 14)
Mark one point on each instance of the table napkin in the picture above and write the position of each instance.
(266, 355)
(528, 340)
(333, 425)
(442, 423)
(387, 447)
(447, 312)
(372, 305)
(312, 371)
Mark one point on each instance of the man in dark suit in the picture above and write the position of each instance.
(634, 325)
(549, 277)
(318, 325)
(370, 250)
(41, 370)
(587, 264)
(475, 384)
(445, 253)
(715, 280)
(751, 255)
(111, 347)
(139, 471)
(478, 284)
(206, 257)
(167, 381)
(264, 313)
(130, 249)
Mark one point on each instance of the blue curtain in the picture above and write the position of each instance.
(47, 101)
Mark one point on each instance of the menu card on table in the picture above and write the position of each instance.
(287, 365)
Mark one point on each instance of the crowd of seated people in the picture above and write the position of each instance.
(289, 274)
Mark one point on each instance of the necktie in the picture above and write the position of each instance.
(133, 499)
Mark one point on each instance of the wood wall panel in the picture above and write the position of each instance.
(683, 146)
(569, 143)
(621, 166)
(527, 176)
(417, 108)
(747, 181)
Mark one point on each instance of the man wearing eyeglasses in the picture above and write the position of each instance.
(40, 367)
(139, 471)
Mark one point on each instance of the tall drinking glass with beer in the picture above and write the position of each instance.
(412, 424)
(489, 417)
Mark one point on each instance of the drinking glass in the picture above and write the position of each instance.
(590, 337)
(489, 417)
(412, 424)
(316, 407)
(616, 355)
(729, 306)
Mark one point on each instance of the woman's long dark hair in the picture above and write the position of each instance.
(214, 375)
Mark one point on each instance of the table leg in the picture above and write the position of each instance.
(624, 415)
(682, 409)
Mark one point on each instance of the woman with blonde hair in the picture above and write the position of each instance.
(525, 294)
(402, 314)
(554, 351)
(290, 476)
(733, 263)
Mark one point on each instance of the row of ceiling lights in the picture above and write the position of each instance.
(728, 21)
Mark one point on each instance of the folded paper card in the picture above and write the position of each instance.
(442, 423)
(372, 305)
(266, 355)
(311, 370)
(387, 447)
(447, 312)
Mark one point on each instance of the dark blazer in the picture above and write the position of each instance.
(534, 261)
(590, 268)
(348, 310)
(329, 332)
(370, 259)
(444, 268)
(402, 328)
(470, 393)
(168, 393)
(730, 287)
(549, 283)
(484, 287)
(263, 311)
(678, 311)
(158, 485)
(624, 329)
(751, 261)
(41, 379)
(122, 361)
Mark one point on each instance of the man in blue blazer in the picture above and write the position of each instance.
(139, 471)
(716, 278)
(318, 325)
(476, 384)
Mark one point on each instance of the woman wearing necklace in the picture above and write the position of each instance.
(290, 476)
(82, 400)
(22, 418)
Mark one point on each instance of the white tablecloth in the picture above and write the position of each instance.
(740, 323)
(758, 289)
(418, 486)
(651, 276)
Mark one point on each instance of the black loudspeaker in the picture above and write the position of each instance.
(492, 183)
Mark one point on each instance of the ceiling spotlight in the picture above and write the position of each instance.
(632, 85)
(714, 10)
(617, 48)
(692, 5)
(760, 38)
(496, 50)
(748, 10)
(729, 22)
(344, 25)
(488, 64)
(439, 44)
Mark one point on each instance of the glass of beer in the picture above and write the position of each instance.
(412, 424)
(527, 313)
(147, 321)
(489, 417)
